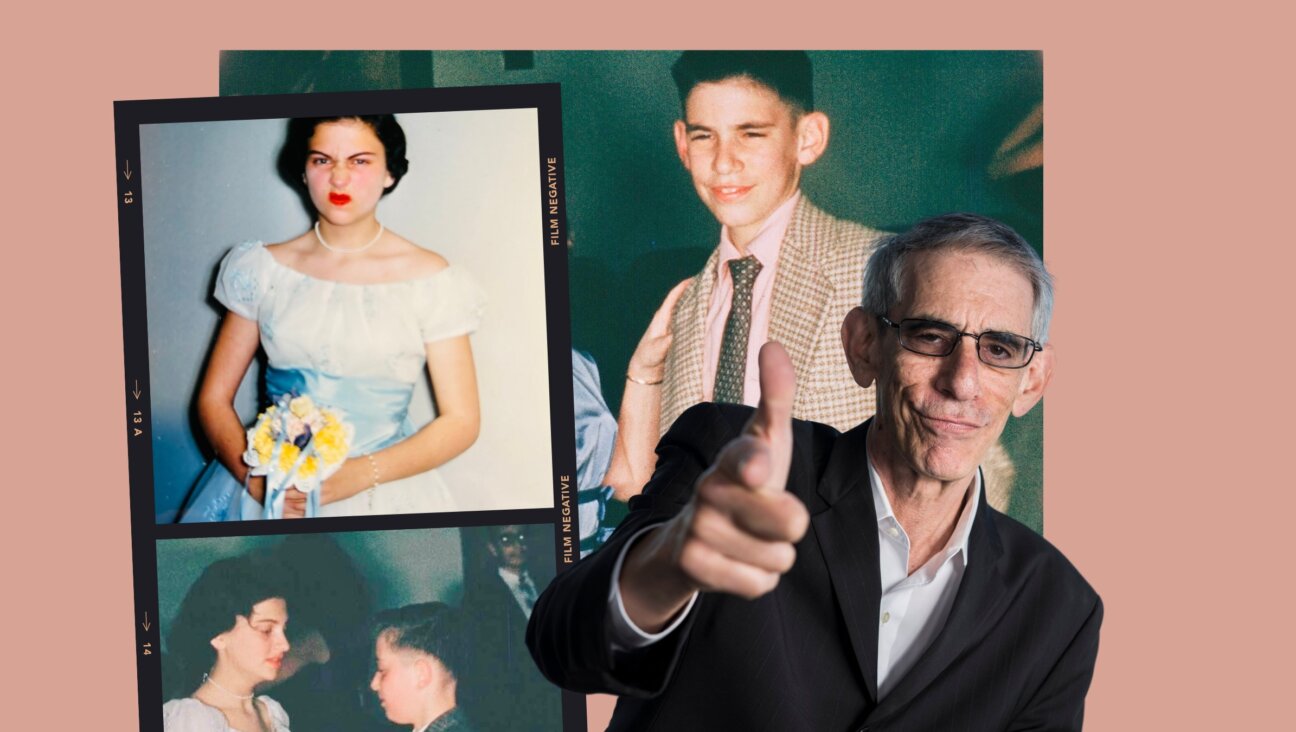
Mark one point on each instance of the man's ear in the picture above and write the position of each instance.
(681, 142)
(860, 340)
(812, 137)
(1037, 377)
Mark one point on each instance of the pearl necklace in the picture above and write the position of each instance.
(209, 680)
(357, 250)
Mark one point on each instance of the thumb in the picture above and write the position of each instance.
(772, 422)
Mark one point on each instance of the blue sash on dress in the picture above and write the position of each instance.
(377, 408)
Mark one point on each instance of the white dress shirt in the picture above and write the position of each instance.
(523, 589)
(913, 609)
(914, 606)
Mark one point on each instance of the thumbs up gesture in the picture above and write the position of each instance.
(737, 532)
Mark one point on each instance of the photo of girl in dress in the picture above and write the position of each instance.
(380, 349)
(228, 637)
(353, 632)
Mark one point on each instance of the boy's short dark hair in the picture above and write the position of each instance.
(787, 73)
(432, 628)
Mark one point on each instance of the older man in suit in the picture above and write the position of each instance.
(879, 590)
(783, 269)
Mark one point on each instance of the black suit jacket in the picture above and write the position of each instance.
(1017, 651)
(501, 691)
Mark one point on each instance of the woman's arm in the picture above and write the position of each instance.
(236, 345)
(454, 382)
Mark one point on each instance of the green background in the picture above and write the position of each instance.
(913, 134)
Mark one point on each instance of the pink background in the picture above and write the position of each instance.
(1168, 457)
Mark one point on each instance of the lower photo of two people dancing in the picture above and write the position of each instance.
(415, 629)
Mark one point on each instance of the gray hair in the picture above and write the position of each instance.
(963, 232)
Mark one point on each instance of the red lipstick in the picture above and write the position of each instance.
(339, 199)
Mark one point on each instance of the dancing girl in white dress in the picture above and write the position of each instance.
(228, 638)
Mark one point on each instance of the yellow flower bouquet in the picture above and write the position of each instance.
(296, 443)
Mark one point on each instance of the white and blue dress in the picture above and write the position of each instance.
(359, 348)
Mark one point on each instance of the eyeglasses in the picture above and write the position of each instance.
(994, 348)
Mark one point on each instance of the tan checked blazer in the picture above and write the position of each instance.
(819, 279)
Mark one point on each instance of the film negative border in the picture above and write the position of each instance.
(552, 222)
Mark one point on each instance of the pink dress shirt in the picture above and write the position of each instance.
(765, 247)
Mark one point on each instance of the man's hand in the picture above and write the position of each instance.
(736, 534)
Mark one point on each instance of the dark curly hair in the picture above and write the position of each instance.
(292, 158)
(227, 589)
(433, 628)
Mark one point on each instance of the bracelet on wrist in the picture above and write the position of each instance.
(644, 382)
(373, 467)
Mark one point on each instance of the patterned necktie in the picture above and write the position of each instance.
(732, 368)
(528, 590)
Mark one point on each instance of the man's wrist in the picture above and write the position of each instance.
(653, 588)
(626, 635)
